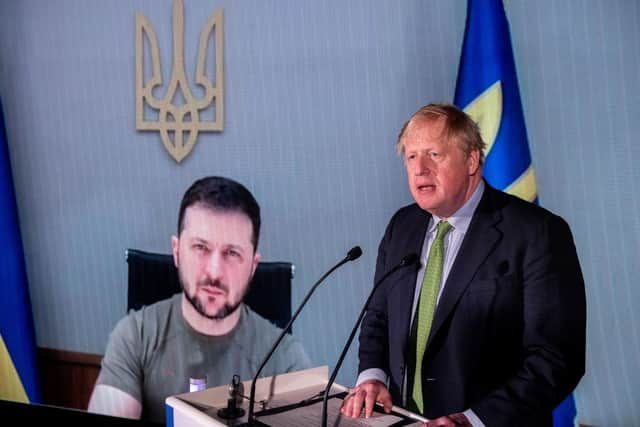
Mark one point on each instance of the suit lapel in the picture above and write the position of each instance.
(479, 241)
(403, 290)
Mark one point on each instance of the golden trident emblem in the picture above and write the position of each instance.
(179, 124)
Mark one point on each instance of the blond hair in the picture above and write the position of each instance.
(458, 127)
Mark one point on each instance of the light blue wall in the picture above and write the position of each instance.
(316, 93)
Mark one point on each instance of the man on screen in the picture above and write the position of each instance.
(490, 330)
(206, 330)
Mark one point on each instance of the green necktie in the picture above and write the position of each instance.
(426, 308)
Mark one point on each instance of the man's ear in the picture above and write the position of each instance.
(175, 249)
(473, 162)
(256, 260)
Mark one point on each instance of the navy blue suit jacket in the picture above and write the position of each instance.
(508, 335)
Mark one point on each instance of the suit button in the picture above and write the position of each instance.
(401, 370)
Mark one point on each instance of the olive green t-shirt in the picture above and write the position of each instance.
(153, 352)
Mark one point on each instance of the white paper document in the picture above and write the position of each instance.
(310, 415)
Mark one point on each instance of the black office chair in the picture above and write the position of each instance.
(153, 277)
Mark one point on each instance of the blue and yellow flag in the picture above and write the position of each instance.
(18, 373)
(487, 89)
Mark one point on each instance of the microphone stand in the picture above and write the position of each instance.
(353, 254)
(406, 261)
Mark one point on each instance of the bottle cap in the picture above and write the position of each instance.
(197, 384)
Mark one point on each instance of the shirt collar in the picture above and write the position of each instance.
(461, 219)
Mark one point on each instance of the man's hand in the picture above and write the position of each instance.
(366, 394)
(452, 420)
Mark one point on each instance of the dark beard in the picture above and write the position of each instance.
(224, 312)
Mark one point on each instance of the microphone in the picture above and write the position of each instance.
(232, 411)
(353, 254)
(406, 261)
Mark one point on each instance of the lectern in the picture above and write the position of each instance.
(293, 399)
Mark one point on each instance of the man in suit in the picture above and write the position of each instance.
(503, 342)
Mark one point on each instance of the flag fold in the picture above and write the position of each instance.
(18, 369)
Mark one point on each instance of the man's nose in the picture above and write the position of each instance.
(214, 266)
(422, 166)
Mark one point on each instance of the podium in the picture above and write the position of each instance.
(292, 399)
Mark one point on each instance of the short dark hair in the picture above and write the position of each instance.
(222, 194)
(459, 127)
